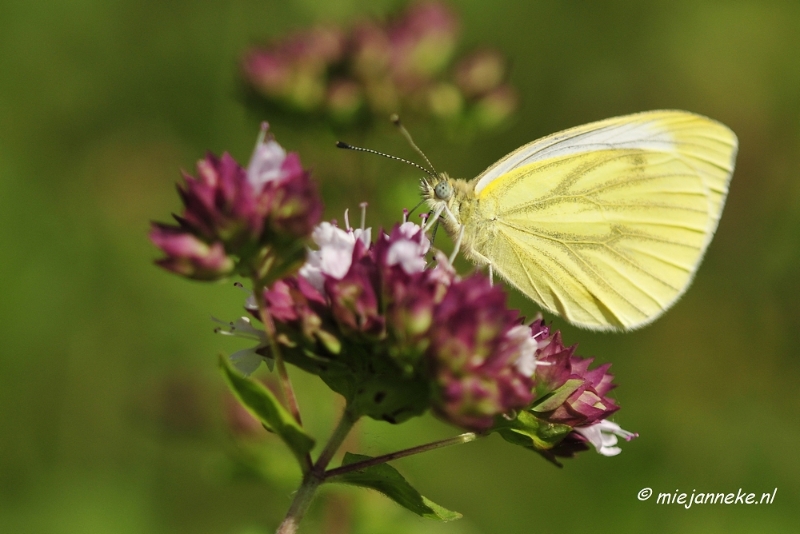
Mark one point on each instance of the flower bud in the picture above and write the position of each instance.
(190, 257)
(423, 41)
(253, 221)
(480, 72)
(571, 403)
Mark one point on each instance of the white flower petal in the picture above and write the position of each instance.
(603, 435)
(265, 164)
(408, 254)
(335, 254)
(526, 362)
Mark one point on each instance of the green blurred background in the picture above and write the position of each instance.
(111, 407)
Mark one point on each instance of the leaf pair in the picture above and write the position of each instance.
(262, 404)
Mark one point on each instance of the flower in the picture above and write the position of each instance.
(252, 221)
(380, 67)
(408, 248)
(480, 72)
(189, 256)
(422, 42)
(335, 253)
(567, 391)
(603, 435)
(570, 406)
(475, 348)
(396, 337)
(294, 69)
(286, 196)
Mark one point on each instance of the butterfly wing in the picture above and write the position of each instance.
(605, 224)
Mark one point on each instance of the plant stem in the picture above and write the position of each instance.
(463, 438)
(283, 374)
(316, 475)
(301, 502)
(342, 429)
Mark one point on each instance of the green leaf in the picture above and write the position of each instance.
(263, 405)
(387, 480)
(530, 432)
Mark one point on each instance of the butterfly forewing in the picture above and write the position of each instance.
(605, 224)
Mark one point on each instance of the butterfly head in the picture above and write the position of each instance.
(437, 189)
(443, 190)
(443, 196)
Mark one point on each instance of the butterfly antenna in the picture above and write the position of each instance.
(396, 121)
(342, 144)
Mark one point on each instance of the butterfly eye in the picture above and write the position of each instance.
(443, 190)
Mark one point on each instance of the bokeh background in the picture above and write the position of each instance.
(112, 412)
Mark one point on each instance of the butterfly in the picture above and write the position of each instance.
(603, 224)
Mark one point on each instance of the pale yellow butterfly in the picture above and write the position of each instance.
(604, 224)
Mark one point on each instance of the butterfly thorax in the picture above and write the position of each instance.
(455, 200)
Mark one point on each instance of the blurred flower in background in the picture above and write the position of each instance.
(406, 64)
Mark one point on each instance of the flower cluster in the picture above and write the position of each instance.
(571, 405)
(254, 221)
(396, 338)
(378, 69)
(393, 333)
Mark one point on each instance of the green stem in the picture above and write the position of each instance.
(316, 475)
(344, 427)
(283, 374)
(457, 440)
(301, 502)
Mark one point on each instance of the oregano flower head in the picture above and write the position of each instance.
(253, 221)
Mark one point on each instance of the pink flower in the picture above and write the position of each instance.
(408, 248)
(335, 253)
(474, 351)
(380, 67)
(570, 406)
(397, 338)
(250, 221)
(581, 393)
(189, 256)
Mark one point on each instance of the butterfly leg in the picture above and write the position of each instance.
(433, 219)
(433, 234)
(457, 248)
(491, 275)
